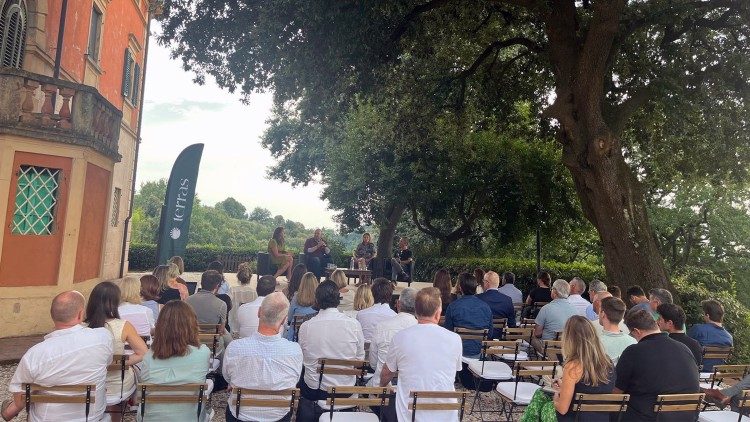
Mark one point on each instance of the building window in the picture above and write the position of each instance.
(36, 197)
(131, 78)
(12, 33)
(95, 33)
(116, 207)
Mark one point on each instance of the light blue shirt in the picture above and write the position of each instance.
(223, 288)
(512, 291)
(295, 309)
(553, 317)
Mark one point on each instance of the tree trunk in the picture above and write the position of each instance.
(386, 235)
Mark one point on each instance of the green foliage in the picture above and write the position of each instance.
(197, 258)
(233, 208)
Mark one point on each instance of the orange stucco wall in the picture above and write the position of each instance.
(91, 230)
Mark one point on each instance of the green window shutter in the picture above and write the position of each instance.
(36, 197)
(127, 74)
(136, 83)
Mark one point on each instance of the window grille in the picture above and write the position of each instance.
(36, 198)
(127, 74)
(116, 207)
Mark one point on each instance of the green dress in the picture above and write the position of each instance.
(276, 260)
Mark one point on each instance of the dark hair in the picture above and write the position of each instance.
(297, 273)
(176, 329)
(615, 291)
(479, 275)
(545, 278)
(614, 308)
(266, 285)
(216, 266)
(640, 319)
(382, 290)
(210, 280)
(635, 291)
(509, 277)
(468, 284)
(713, 309)
(244, 273)
(674, 313)
(103, 303)
(150, 288)
(327, 295)
(442, 281)
(277, 235)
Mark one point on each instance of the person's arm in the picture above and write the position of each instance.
(273, 248)
(14, 406)
(130, 335)
(386, 375)
(539, 328)
(407, 260)
(572, 373)
(183, 291)
(528, 298)
(360, 341)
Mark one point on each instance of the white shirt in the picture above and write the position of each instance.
(247, 317)
(76, 355)
(347, 300)
(512, 291)
(264, 363)
(370, 317)
(330, 334)
(427, 358)
(381, 341)
(140, 316)
(239, 295)
(579, 304)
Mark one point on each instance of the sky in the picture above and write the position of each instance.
(178, 113)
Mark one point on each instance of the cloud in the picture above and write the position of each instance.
(163, 113)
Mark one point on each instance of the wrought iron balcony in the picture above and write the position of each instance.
(41, 107)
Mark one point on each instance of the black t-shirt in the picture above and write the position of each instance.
(168, 295)
(691, 344)
(540, 294)
(656, 365)
(402, 255)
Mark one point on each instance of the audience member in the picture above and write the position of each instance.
(401, 261)
(539, 294)
(385, 330)
(468, 311)
(596, 286)
(597, 304)
(280, 258)
(71, 354)
(345, 293)
(637, 298)
(131, 310)
(247, 315)
(150, 290)
(553, 316)
(587, 370)
(672, 320)
(218, 266)
(303, 301)
(169, 288)
(244, 293)
(712, 332)
(101, 311)
(615, 291)
(658, 297)
(500, 304)
(208, 308)
(176, 357)
(728, 394)
(263, 361)
(577, 287)
(177, 260)
(442, 282)
(365, 252)
(479, 277)
(509, 288)
(426, 358)
(329, 334)
(382, 291)
(291, 287)
(656, 365)
(614, 340)
(363, 299)
(317, 253)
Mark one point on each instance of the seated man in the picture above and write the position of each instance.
(509, 288)
(71, 354)
(208, 308)
(658, 297)
(400, 263)
(596, 286)
(247, 314)
(317, 253)
(500, 304)
(672, 320)
(577, 287)
(553, 316)
(728, 395)
(712, 332)
(656, 365)
(597, 305)
(468, 311)
(637, 298)
(329, 334)
(385, 330)
(613, 339)
(382, 291)
(263, 361)
(426, 357)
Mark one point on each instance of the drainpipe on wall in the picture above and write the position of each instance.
(60, 36)
(151, 7)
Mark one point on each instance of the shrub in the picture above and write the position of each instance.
(143, 257)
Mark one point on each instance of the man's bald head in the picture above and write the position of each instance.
(273, 310)
(492, 279)
(67, 307)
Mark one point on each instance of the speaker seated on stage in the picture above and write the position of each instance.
(317, 253)
(365, 252)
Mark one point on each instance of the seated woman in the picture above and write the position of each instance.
(302, 302)
(177, 260)
(150, 291)
(587, 369)
(176, 357)
(282, 259)
(347, 294)
(219, 268)
(101, 311)
(132, 310)
(363, 299)
(170, 288)
(442, 281)
(244, 293)
(293, 285)
(365, 252)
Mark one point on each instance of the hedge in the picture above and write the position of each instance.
(142, 257)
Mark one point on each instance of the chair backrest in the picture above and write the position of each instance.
(723, 372)
(297, 322)
(609, 403)
(717, 352)
(499, 324)
(286, 398)
(528, 322)
(458, 396)
(211, 341)
(69, 394)
(743, 404)
(666, 403)
(351, 367)
(359, 396)
(534, 368)
(119, 363)
(471, 334)
(210, 328)
(367, 350)
(502, 348)
(552, 350)
(170, 394)
(520, 333)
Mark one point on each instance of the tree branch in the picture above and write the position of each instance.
(490, 50)
(413, 15)
(618, 115)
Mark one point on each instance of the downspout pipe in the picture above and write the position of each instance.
(60, 36)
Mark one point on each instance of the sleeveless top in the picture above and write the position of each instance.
(581, 387)
(118, 388)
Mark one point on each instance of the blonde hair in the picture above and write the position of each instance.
(581, 344)
(306, 291)
(174, 271)
(177, 260)
(130, 290)
(363, 298)
(339, 277)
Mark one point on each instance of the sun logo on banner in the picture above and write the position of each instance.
(175, 233)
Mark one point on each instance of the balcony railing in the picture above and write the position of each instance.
(38, 106)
